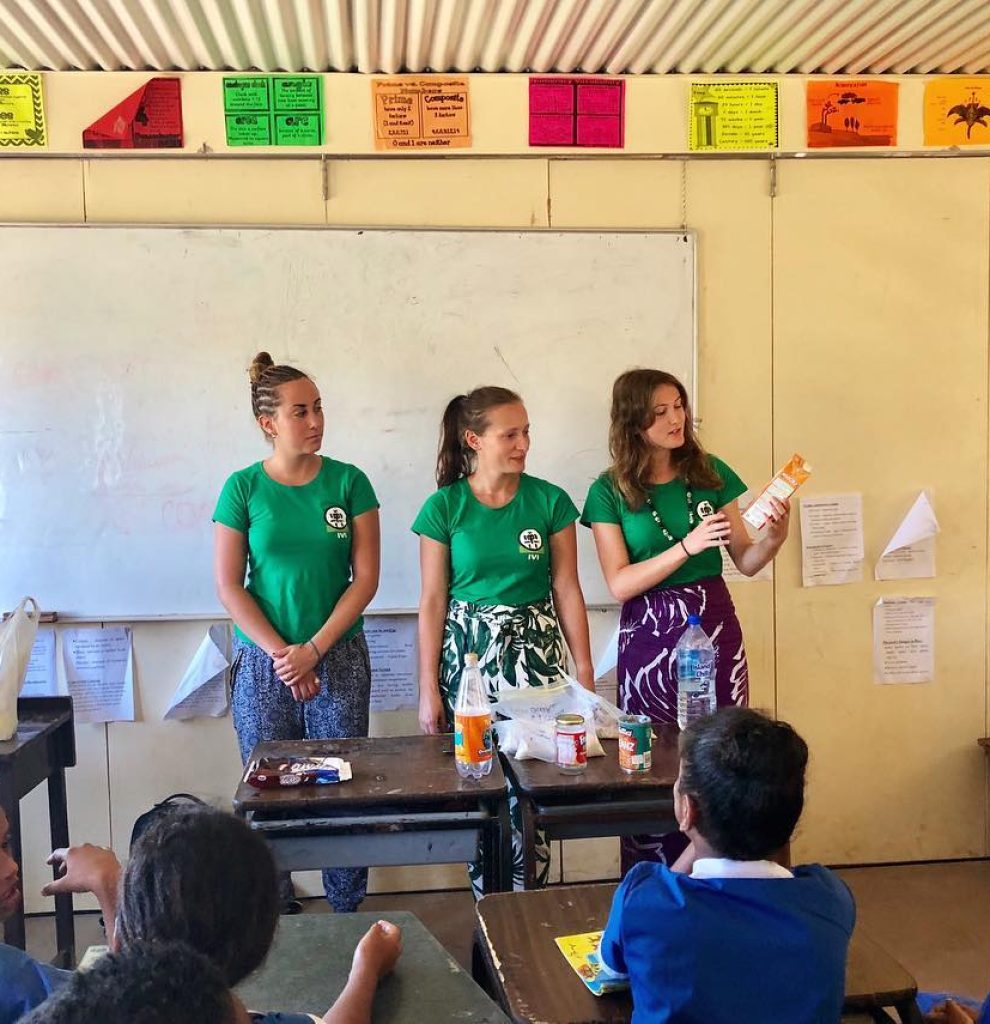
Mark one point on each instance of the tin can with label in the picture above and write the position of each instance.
(572, 744)
(635, 742)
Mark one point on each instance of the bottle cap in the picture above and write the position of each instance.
(471, 660)
(694, 620)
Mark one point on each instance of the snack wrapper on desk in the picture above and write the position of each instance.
(531, 713)
(277, 772)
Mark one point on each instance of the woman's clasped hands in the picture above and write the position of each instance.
(296, 665)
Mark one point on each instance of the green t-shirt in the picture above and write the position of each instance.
(643, 536)
(299, 541)
(497, 555)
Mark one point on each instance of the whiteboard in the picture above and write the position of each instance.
(126, 401)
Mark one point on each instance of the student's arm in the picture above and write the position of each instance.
(229, 567)
(374, 957)
(88, 868)
(434, 569)
(748, 555)
(569, 603)
(610, 947)
(292, 662)
(627, 580)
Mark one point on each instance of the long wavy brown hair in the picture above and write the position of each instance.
(632, 414)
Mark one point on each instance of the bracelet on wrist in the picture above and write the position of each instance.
(319, 657)
(683, 545)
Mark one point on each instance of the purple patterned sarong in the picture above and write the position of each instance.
(649, 627)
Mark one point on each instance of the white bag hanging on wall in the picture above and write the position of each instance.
(16, 640)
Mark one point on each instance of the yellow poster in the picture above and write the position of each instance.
(957, 112)
(732, 116)
(421, 113)
(22, 111)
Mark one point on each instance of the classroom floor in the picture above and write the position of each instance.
(934, 918)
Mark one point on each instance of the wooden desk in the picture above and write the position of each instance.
(405, 805)
(516, 959)
(307, 968)
(603, 801)
(42, 748)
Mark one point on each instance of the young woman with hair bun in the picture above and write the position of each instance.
(304, 529)
(661, 514)
(498, 557)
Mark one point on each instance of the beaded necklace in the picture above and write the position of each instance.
(663, 529)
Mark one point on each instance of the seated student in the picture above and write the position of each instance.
(728, 934)
(24, 981)
(148, 983)
(202, 877)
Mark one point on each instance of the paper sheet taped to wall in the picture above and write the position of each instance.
(99, 671)
(831, 539)
(904, 640)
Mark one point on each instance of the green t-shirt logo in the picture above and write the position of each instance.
(336, 519)
(705, 509)
(531, 544)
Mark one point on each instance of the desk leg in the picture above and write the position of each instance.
(528, 833)
(13, 928)
(909, 1013)
(58, 813)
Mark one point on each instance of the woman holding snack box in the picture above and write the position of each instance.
(304, 528)
(661, 515)
(498, 558)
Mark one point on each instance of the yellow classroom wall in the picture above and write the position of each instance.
(846, 317)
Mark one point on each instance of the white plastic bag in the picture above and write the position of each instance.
(530, 731)
(16, 640)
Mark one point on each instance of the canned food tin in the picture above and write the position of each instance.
(572, 744)
(635, 741)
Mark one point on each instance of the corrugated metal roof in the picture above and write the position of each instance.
(608, 36)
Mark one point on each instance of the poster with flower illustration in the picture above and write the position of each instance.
(957, 112)
(22, 111)
(849, 113)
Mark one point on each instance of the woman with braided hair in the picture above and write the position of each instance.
(304, 529)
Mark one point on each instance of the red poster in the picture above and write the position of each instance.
(150, 118)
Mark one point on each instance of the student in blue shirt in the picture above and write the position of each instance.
(729, 935)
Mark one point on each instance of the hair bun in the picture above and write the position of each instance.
(261, 362)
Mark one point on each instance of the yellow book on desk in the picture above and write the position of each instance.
(581, 952)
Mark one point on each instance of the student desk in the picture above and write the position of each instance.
(515, 957)
(405, 804)
(602, 801)
(42, 748)
(311, 956)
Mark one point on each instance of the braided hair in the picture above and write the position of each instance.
(266, 378)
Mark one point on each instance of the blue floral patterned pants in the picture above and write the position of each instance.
(263, 708)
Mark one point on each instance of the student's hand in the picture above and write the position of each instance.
(432, 716)
(712, 532)
(950, 1012)
(85, 868)
(780, 520)
(307, 687)
(294, 662)
(379, 949)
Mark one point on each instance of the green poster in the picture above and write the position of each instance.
(273, 110)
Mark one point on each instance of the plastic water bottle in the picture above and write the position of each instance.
(695, 659)
(472, 723)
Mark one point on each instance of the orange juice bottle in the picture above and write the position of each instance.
(783, 485)
(472, 723)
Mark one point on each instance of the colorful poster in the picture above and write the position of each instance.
(22, 111)
(421, 113)
(577, 112)
(150, 118)
(957, 112)
(274, 110)
(732, 116)
(859, 112)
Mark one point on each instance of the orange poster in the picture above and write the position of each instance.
(851, 112)
(432, 112)
(957, 112)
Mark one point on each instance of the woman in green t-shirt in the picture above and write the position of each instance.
(498, 556)
(661, 515)
(304, 528)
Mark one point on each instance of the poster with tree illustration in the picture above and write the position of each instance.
(957, 112)
(851, 112)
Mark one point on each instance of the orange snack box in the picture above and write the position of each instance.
(783, 485)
